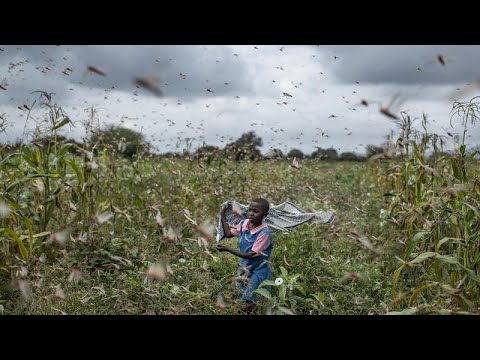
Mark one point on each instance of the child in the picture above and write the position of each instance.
(255, 244)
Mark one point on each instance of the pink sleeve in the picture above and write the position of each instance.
(262, 242)
(236, 230)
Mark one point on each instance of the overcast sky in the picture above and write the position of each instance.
(287, 94)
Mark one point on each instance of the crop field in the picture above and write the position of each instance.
(117, 161)
(84, 230)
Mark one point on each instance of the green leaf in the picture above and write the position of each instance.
(477, 214)
(12, 234)
(30, 232)
(409, 311)
(39, 155)
(29, 157)
(21, 246)
(395, 277)
(422, 257)
(283, 271)
(444, 312)
(449, 289)
(28, 178)
(285, 310)
(55, 192)
(300, 288)
(64, 122)
(319, 297)
(472, 155)
(44, 233)
(77, 170)
(293, 278)
(23, 250)
(266, 283)
(451, 260)
(64, 149)
(263, 292)
(448, 259)
(453, 220)
(9, 164)
(456, 172)
(4, 161)
(420, 290)
(444, 240)
(293, 302)
(282, 293)
(414, 241)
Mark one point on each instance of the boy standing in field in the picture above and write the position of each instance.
(255, 248)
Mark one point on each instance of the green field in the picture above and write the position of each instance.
(79, 234)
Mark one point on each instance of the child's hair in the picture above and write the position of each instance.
(264, 204)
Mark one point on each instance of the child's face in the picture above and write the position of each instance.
(255, 213)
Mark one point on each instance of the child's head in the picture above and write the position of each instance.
(260, 208)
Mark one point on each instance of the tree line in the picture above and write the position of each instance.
(130, 143)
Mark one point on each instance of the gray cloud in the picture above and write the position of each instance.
(181, 71)
(260, 81)
(399, 63)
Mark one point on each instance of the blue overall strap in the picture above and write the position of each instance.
(241, 225)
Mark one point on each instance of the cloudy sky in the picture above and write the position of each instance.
(291, 96)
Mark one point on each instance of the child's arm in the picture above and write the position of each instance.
(238, 253)
(226, 228)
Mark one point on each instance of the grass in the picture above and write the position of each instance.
(114, 266)
(79, 232)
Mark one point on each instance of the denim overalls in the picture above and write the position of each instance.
(256, 269)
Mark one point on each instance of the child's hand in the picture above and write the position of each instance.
(221, 247)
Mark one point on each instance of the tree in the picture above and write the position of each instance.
(373, 150)
(128, 142)
(350, 156)
(245, 147)
(274, 154)
(207, 153)
(325, 154)
(296, 153)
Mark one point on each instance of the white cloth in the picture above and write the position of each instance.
(280, 217)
